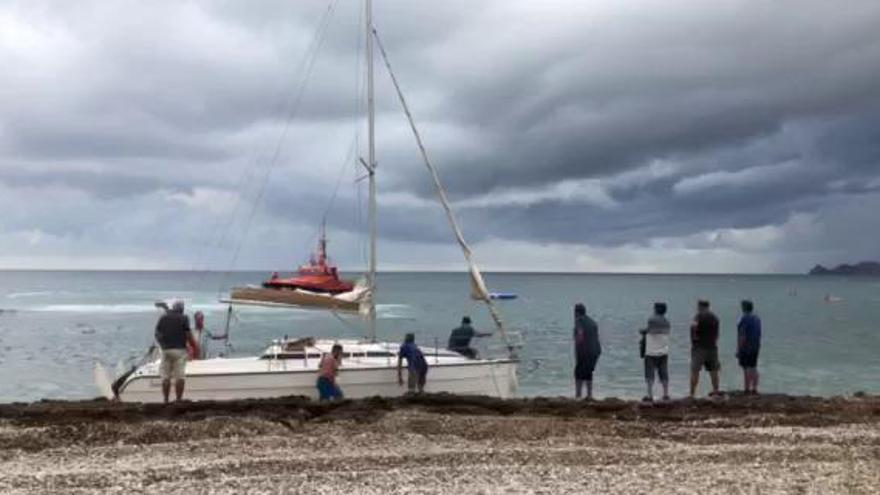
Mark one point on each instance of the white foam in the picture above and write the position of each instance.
(19, 295)
(393, 311)
(94, 308)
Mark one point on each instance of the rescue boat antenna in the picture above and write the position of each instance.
(371, 170)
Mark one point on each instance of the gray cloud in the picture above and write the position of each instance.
(578, 124)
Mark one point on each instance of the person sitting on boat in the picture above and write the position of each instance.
(416, 364)
(327, 371)
(172, 334)
(460, 339)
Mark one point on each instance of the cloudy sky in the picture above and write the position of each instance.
(638, 136)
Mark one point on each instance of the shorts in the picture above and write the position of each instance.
(416, 380)
(704, 358)
(660, 363)
(173, 365)
(327, 389)
(748, 359)
(583, 369)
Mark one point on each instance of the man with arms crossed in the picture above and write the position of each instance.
(172, 334)
(704, 347)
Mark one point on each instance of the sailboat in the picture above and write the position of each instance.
(288, 366)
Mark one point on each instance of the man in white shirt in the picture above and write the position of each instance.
(656, 351)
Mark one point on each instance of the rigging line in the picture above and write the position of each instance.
(320, 37)
(360, 104)
(348, 157)
(477, 284)
(221, 230)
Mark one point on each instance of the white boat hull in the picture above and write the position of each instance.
(254, 378)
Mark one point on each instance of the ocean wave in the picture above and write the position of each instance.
(394, 311)
(38, 293)
(117, 308)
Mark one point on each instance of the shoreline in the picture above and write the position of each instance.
(444, 443)
(729, 404)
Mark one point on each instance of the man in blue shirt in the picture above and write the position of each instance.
(748, 345)
(416, 365)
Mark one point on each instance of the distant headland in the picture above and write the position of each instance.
(863, 268)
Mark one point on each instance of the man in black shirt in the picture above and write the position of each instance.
(704, 347)
(460, 339)
(172, 334)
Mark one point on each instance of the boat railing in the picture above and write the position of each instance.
(515, 342)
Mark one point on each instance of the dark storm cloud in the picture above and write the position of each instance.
(574, 122)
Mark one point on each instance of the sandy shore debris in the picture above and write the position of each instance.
(444, 444)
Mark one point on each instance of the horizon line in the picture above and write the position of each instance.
(502, 271)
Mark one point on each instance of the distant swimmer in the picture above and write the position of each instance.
(832, 299)
(587, 350)
(748, 345)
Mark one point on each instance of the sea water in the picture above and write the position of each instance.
(53, 325)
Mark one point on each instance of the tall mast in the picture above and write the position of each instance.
(371, 169)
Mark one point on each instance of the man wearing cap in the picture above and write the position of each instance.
(460, 338)
(172, 334)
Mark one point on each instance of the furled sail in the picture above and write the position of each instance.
(478, 286)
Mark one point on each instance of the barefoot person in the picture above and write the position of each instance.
(704, 347)
(416, 365)
(172, 334)
(586, 350)
(748, 345)
(656, 352)
(328, 368)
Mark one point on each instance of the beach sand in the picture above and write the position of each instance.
(444, 444)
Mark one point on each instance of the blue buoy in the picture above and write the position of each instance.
(502, 295)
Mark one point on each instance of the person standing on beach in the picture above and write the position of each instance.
(460, 338)
(656, 351)
(172, 335)
(328, 368)
(586, 350)
(416, 365)
(704, 347)
(748, 345)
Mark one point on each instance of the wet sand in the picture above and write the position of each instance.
(443, 444)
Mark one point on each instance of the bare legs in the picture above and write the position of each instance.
(714, 376)
(178, 389)
(750, 380)
(578, 388)
(695, 380)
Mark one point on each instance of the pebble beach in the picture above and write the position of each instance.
(444, 444)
